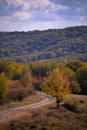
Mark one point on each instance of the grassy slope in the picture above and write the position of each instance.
(50, 118)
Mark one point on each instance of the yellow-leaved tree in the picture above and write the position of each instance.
(56, 85)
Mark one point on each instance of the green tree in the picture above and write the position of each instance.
(82, 78)
(56, 84)
(74, 65)
(71, 76)
(16, 70)
(3, 86)
(40, 68)
(75, 87)
(12, 70)
(5, 68)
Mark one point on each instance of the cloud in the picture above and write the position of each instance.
(23, 15)
(39, 25)
(36, 4)
(78, 10)
(81, 18)
(23, 3)
(32, 9)
(41, 14)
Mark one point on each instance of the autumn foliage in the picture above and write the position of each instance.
(56, 84)
(19, 80)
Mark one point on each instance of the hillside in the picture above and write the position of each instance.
(69, 43)
(71, 116)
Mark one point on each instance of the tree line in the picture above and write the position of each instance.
(25, 47)
(57, 79)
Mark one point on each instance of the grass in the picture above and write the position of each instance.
(77, 103)
(48, 117)
(28, 100)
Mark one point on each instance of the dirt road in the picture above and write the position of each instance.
(31, 106)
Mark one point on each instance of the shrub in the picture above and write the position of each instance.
(3, 87)
(17, 94)
(75, 87)
(70, 106)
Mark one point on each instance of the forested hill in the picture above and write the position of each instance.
(69, 43)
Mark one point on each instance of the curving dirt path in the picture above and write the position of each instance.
(48, 100)
(31, 106)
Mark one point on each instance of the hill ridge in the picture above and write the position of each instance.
(69, 43)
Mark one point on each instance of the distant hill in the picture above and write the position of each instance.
(68, 44)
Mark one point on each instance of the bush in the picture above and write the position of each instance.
(3, 87)
(70, 106)
(26, 80)
(17, 94)
(76, 106)
(75, 87)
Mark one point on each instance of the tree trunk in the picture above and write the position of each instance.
(57, 101)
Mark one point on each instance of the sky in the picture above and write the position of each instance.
(28, 15)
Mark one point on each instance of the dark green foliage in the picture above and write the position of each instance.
(4, 67)
(74, 65)
(3, 86)
(82, 78)
(75, 87)
(69, 43)
(12, 70)
(40, 68)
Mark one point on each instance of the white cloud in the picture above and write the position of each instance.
(9, 25)
(30, 8)
(62, 7)
(39, 14)
(23, 3)
(81, 18)
(37, 4)
(78, 10)
(23, 15)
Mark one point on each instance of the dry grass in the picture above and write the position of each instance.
(6, 119)
(77, 103)
(46, 118)
(28, 100)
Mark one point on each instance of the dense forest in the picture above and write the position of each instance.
(20, 80)
(60, 44)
